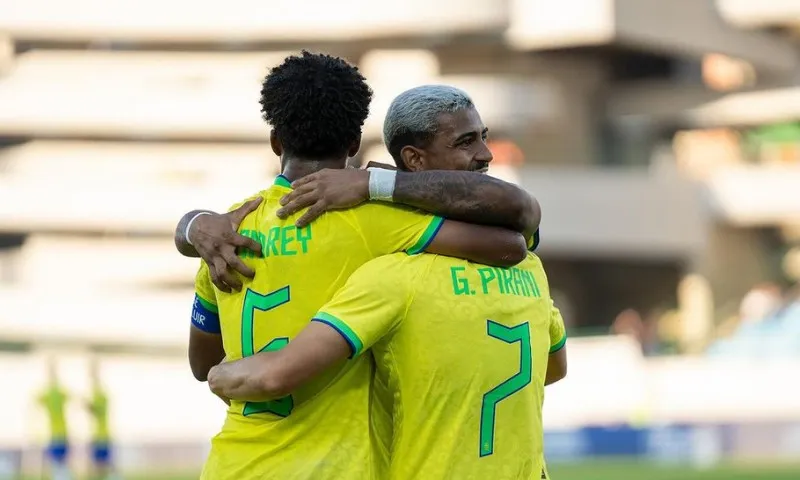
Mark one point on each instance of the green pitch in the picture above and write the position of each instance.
(620, 470)
(644, 471)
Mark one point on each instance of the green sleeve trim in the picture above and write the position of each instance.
(533, 243)
(356, 346)
(558, 346)
(206, 304)
(427, 236)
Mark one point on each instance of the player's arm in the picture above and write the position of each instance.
(358, 316)
(205, 338)
(270, 375)
(465, 196)
(214, 237)
(478, 243)
(469, 197)
(390, 229)
(557, 360)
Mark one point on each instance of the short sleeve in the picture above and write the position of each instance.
(393, 228)
(371, 304)
(558, 333)
(205, 314)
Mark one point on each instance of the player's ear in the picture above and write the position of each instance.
(275, 143)
(412, 159)
(355, 147)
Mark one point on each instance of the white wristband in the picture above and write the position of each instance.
(381, 184)
(189, 225)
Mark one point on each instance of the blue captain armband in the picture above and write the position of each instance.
(205, 316)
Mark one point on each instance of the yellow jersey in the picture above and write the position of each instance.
(54, 401)
(98, 407)
(462, 348)
(322, 430)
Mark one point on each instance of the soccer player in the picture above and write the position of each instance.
(97, 406)
(54, 401)
(316, 105)
(462, 347)
(435, 127)
(433, 131)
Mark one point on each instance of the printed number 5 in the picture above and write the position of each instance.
(522, 334)
(255, 301)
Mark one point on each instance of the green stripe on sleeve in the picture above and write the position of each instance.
(207, 305)
(558, 346)
(533, 243)
(427, 236)
(344, 330)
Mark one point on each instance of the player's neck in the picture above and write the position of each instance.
(294, 168)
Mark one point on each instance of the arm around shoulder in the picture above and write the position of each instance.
(481, 244)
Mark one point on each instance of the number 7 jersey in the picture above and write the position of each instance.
(461, 352)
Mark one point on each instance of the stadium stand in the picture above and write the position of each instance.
(116, 117)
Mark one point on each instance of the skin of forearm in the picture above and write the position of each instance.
(243, 380)
(181, 242)
(464, 196)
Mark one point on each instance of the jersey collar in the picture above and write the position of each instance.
(282, 181)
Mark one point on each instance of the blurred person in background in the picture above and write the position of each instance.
(97, 406)
(762, 300)
(427, 128)
(54, 401)
(644, 330)
(317, 105)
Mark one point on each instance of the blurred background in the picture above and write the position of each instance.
(662, 138)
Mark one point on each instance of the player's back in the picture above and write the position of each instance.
(321, 431)
(466, 368)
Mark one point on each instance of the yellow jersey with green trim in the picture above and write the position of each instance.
(322, 430)
(98, 407)
(462, 350)
(54, 401)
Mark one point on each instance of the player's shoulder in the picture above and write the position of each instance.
(374, 208)
(265, 194)
(387, 263)
(396, 266)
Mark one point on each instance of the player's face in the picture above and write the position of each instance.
(460, 144)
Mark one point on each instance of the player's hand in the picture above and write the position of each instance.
(215, 383)
(224, 399)
(328, 189)
(216, 239)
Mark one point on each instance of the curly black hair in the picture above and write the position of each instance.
(316, 105)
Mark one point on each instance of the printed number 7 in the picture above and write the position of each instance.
(522, 334)
(255, 301)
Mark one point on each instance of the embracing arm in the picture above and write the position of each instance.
(358, 316)
(182, 239)
(556, 366)
(466, 196)
(470, 197)
(205, 351)
(557, 360)
(270, 375)
(214, 237)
